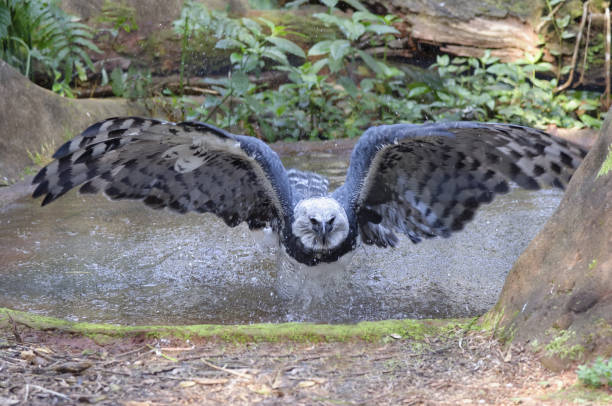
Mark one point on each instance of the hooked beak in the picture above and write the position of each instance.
(322, 231)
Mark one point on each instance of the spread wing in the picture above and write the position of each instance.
(187, 166)
(428, 180)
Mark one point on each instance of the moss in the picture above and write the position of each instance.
(581, 394)
(559, 346)
(311, 30)
(298, 332)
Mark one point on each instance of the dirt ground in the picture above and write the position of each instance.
(460, 368)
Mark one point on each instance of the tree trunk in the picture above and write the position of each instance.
(469, 27)
(561, 286)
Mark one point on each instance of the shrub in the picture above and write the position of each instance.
(45, 43)
(598, 374)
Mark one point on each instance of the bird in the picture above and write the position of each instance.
(418, 180)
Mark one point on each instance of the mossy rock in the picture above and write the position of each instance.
(35, 121)
(270, 332)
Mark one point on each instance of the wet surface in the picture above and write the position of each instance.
(85, 258)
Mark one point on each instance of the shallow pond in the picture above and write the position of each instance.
(85, 258)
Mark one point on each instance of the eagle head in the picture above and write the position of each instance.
(320, 223)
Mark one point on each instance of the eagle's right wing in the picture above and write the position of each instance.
(428, 180)
(188, 166)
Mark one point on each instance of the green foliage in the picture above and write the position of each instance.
(119, 17)
(559, 346)
(598, 374)
(487, 89)
(336, 89)
(606, 166)
(133, 84)
(45, 43)
(561, 31)
(263, 4)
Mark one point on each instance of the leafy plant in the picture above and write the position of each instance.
(598, 374)
(559, 346)
(133, 84)
(119, 16)
(361, 24)
(45, 43)
(487, 89)
(339, 89)
(606, 166)
(252, 47)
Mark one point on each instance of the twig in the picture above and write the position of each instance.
(199, 356)
(113, 372)
(40, 354)
(214, 110)
(27, 393)
(210, 381)
(15, 332)
(229, 371)
(548, 18)
(60, 395)
(161, 354)
(382, 358)
(123, 354)
(178, 348)
(586, 51)
(607, 61)
(568, 82)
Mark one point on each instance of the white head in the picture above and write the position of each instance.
(320, 223)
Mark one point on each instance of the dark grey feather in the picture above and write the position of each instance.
(186, 167)
(429, 180)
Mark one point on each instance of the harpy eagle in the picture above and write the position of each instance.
(423, 180)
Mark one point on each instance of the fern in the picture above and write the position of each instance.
(606, 166)
(43, 42)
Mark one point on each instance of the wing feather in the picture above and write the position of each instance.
(429, 180)
(186, 167)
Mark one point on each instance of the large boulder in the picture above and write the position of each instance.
(560, 289)
(34, 120)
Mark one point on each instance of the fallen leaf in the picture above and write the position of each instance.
(27, 355)
(306, 384)
(396, 336)
(211, 381)
(91, 399)
(186, 384)
(260, 389)
(508, 356)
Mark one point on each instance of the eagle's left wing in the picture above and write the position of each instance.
(428, 180)
(187, 166)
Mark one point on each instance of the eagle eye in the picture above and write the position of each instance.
(331, 221)
(313, 221)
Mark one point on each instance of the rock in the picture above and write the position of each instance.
(563, 322)
(567, 268)
(34, 120)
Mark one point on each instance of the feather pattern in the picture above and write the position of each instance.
(420, 180)
(185, 167)
(307, 184)
(429, 180)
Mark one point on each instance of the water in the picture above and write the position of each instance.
(85, 258)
